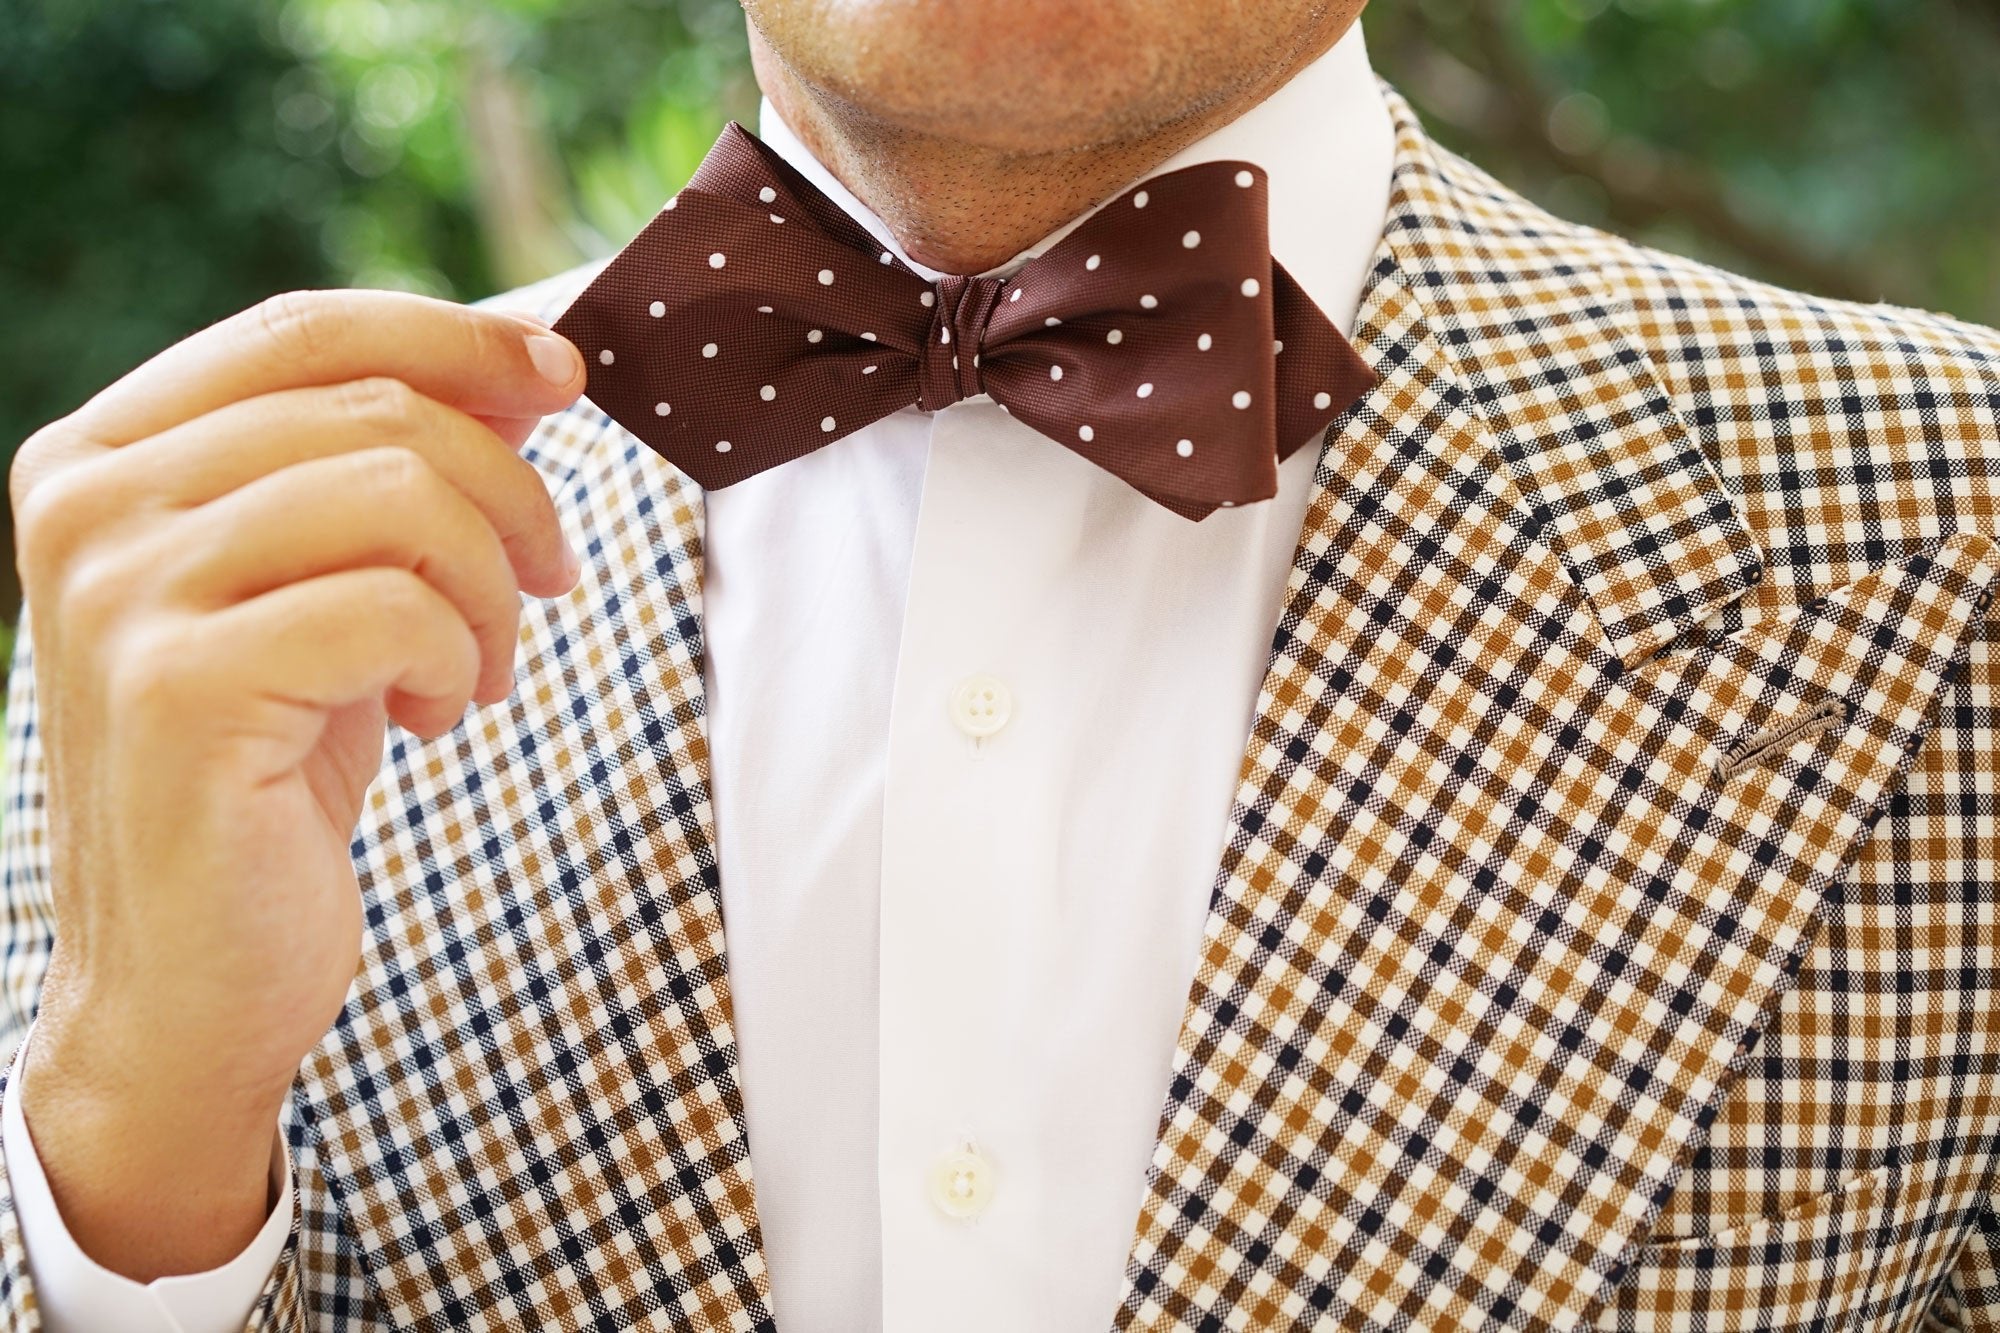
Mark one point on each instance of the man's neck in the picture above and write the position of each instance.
(960, 207)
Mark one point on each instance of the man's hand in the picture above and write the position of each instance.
(241, 559)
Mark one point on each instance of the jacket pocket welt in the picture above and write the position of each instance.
(1818, 1266)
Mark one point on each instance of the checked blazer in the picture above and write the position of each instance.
(1603, 937)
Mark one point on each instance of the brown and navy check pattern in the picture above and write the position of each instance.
(1513, 1012)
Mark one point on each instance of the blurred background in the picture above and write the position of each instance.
(167, 162)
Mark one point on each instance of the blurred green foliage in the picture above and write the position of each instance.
(1849, 147)
(167, 163)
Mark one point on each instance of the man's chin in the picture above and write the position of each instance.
(1026, 77)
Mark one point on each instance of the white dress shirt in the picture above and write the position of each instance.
(976, 714)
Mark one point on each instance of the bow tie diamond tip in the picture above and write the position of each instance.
(753, 321)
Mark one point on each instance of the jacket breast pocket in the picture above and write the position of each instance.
(1824, 1265)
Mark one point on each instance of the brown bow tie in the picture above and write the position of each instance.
(753, 322)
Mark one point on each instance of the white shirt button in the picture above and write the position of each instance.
(961, 1184)
(981, 705)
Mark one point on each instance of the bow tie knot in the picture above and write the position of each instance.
(958, 330)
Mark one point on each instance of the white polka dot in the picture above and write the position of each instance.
(1146, 389)
(1185, 448)
(868, 370)
(1322, 400)
(1250, 287)
(1204, 342)
(826, 423)
(775, 218)
(661, 409)
(1085, 434)
(657, 309)
(767, 393)
(1191, 240)
(606, 357)
(1115, 337)
(1277, 346)
(1148, 301)
(1240, 399)
(954, 363)
(672, 204)
(887, 257)
(1245, 179)
(1015, 295)
(929, 298)
(1055, 372)
(763, 310)
(1141, 199)
(944, 335)
(722, 446)
(718, 259)
(826, 277)
(868, 337)
(709, 349)
(814, 336)
(1229, 504)
(975, 358)
(767, 194)
(1092, 262)
(1050, 322)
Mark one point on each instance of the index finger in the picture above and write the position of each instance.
(480, 361)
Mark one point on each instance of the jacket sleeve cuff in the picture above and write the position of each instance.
(76, 1294)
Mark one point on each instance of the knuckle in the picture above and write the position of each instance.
(53, 517)
(401, 597)
(36, 457)
(94, 592)
(382, 404)
(154, 675)
(401, 477)
(300, 326)
(519, 494)
(497, 339)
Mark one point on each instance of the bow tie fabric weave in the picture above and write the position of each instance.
(753, 322)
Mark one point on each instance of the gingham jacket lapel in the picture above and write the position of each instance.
(528, 1112)
(1644, 524)
(1492, 927)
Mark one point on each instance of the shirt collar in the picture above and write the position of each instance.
(1324, 139)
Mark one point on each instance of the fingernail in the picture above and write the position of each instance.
(554, 357)
(575, 564)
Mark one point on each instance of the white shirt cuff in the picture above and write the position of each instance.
(79, 1295)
